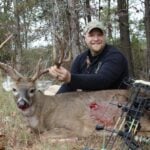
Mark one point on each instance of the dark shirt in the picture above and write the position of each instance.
(104, 71)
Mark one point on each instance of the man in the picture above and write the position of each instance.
(100, 67)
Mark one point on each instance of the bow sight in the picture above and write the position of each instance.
(139, 103)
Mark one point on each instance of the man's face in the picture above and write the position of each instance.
(95, 40)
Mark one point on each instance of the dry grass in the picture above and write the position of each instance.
(15, 136)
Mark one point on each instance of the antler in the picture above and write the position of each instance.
(16, 76)
(62, 54)
(2, 44)
(58, 62)
(38, 72)
(11, 71)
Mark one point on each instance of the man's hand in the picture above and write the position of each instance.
(60, 73)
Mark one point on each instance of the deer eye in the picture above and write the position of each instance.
(32, 91)
(14, 90)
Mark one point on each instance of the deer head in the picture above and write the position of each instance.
(23, 88)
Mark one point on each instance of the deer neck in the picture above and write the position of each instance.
(45, 103)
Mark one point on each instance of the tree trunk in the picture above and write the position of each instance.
(74, 27)
(18, 46)
(147, 30)
(125, 44)
(88, 9)
(25, 31)
(109, 26)
(99, 10)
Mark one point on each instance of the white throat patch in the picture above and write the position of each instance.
(33, 121)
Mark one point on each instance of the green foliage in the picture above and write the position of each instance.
(5, 56)
(138, 55)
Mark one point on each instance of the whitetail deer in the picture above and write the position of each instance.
(70, 112)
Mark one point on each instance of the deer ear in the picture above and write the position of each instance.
(14, 74)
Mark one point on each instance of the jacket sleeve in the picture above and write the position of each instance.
(111, 69)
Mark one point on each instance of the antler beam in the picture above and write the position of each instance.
(38, 72)
(61, 59)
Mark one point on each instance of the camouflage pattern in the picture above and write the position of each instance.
(93, 24)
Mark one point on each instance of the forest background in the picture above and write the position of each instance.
(35, 25)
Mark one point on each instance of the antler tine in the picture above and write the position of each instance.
(60, 61)
(2, 44)
(38, 73)
(11, 71)
(68, 58)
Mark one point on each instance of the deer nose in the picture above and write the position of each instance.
(22, 104)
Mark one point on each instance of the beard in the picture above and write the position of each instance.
(97, 48)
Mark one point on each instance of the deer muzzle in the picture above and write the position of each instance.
(23, 104)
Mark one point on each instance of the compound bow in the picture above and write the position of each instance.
(128, 124)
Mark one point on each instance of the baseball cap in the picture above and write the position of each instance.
(92, 25)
